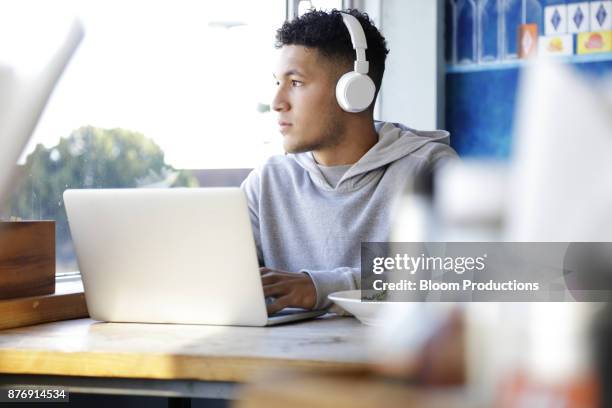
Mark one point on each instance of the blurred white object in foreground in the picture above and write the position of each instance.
(560, 191)
(23, 96)
(561, 188)
(469, 200)
(471, 190)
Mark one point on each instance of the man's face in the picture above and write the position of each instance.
(308, 114)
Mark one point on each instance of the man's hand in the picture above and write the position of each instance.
(289, 289)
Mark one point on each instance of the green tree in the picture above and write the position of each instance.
(89, 158)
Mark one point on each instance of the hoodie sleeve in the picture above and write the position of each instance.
(441, 156)
(251, 188)
(326, 282)
(438, 155)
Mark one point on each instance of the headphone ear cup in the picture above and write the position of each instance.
(355, 92)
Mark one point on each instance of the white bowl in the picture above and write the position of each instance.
(350, 300)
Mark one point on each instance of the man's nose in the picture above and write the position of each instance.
(279, 103)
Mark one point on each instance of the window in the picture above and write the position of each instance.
(156, 91)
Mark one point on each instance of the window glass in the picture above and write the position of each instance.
(157, 91)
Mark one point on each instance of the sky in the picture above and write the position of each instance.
(171, 70)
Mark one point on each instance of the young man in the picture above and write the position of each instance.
(311, 208)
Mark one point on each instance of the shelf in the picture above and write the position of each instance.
(515, 64)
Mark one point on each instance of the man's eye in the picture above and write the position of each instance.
(296, 83)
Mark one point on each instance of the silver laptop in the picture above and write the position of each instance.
(22, 101)
(169, 256)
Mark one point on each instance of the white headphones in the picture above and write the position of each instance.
(355, 90)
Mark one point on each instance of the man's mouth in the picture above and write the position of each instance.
(283, 126)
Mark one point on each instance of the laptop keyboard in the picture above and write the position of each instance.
(288, 311)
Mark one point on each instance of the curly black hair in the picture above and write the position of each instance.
(326, 32)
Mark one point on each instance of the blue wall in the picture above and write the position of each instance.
(483, 73)
(479, 111)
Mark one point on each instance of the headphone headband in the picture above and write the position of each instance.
(358, 39)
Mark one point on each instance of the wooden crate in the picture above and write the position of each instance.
(27, 258)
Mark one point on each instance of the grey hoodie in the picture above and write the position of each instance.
(303, 224)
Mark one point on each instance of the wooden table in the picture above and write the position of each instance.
(284, 389)
(174, 360)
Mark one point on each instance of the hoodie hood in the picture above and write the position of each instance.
(395, 141)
